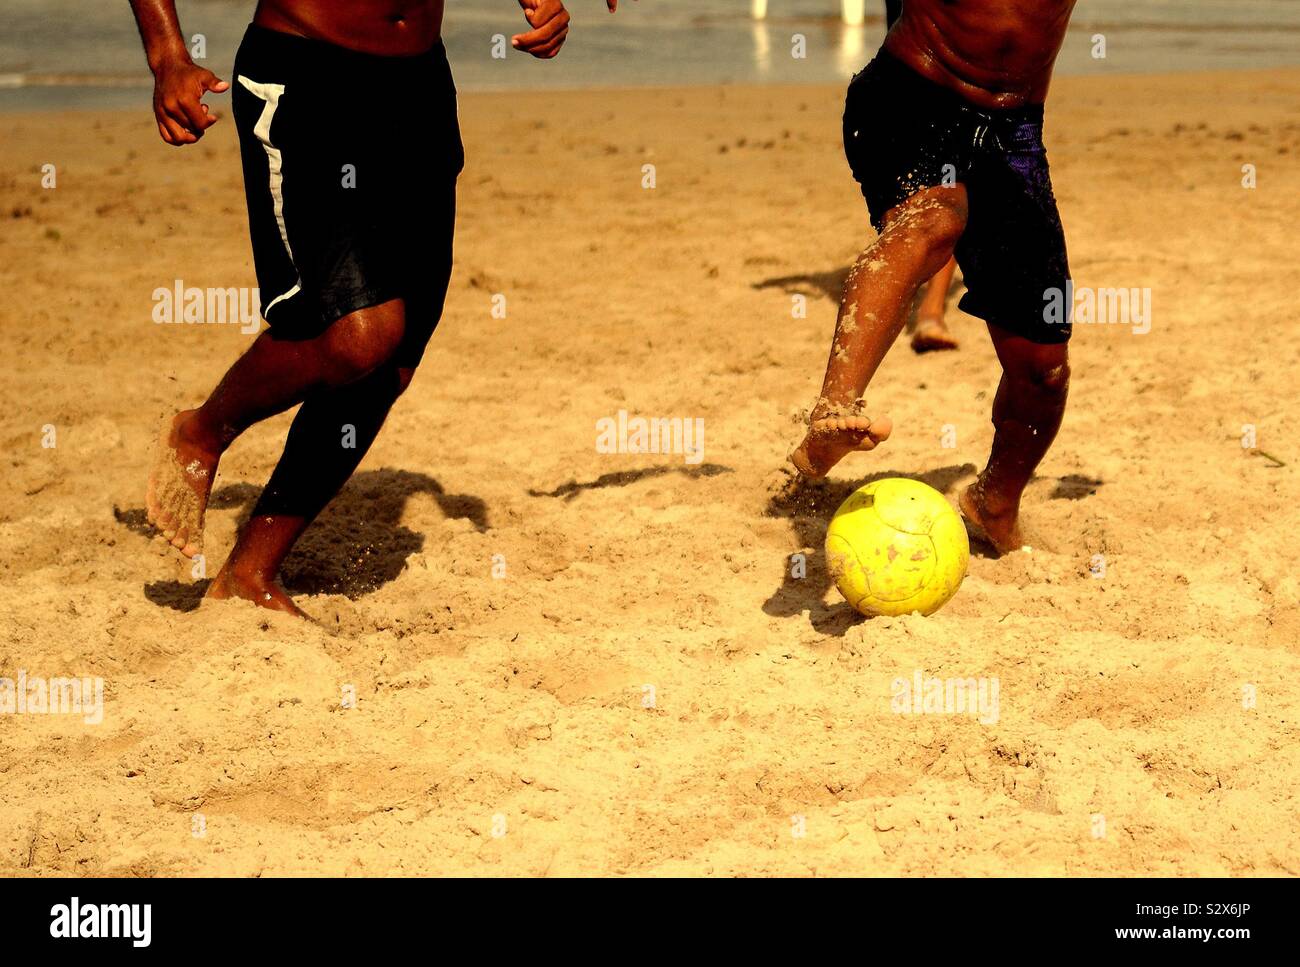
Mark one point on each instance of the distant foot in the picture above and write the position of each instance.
(263, 592)
(932, 334)
(832, 436)
(1001, 529)
(180, 484)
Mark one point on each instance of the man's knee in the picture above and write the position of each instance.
(362, 341)
(942, 227)
(935, 219)
(1048, 369)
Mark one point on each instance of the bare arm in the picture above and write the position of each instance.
(179, 84)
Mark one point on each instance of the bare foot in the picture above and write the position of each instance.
(1001, 528)
(180, 483)
(833, 435)
(262, 591)
(931, 334)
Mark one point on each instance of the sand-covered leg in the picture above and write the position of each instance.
(180, 483)
(916, 241)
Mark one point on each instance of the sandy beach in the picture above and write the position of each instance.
(643, 688)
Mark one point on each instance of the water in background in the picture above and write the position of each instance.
(86, 53)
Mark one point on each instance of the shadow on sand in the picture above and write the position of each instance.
(624, 478)
(356, 546)
(829, 285)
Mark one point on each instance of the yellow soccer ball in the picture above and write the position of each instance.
(897, 546)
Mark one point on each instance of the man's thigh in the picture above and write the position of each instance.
(1012, 255)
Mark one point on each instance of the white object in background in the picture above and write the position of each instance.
(854, 11)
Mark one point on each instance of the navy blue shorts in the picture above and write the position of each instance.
(903, 132)
(350, 165)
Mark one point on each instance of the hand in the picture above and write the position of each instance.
(550, 23)
(178, 105)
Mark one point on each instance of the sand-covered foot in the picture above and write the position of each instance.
(831, 437)
(1001, 529)
(263, 592)
(180, 483)
(932, 334)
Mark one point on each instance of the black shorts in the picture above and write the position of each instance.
(350, 164)
(903, 133)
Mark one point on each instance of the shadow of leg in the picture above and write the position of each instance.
(356, 546)
(177, 595)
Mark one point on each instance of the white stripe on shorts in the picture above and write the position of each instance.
(270, 94)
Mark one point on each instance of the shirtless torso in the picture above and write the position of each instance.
(392, 28)
(995, 53)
